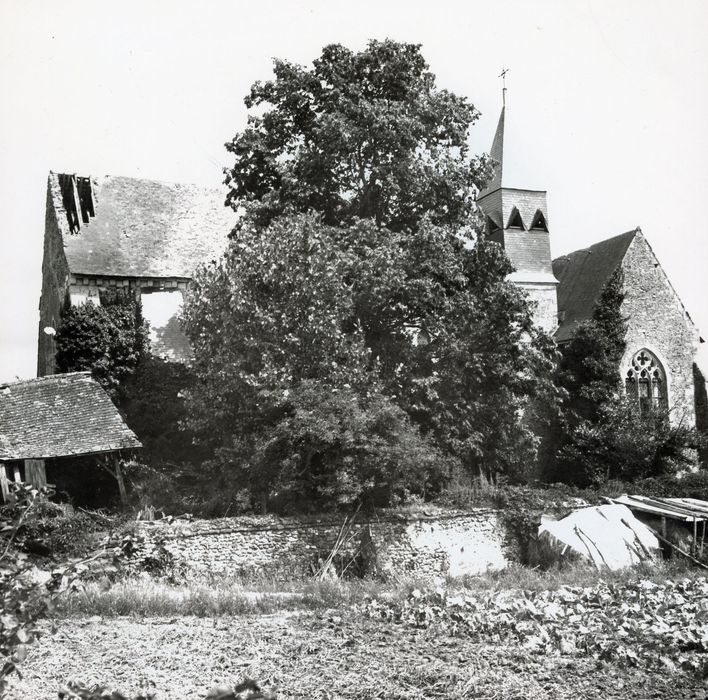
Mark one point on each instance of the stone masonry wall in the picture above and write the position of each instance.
(55, 281)
(449, 542)
(545, 300)
(659, 322)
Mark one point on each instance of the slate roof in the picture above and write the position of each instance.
(582, 276)
(497, 154)
(145, 228)
(58, 416)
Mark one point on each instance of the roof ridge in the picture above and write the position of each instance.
(633, 232)
(45, 378)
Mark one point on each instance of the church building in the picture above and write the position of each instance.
(148, 237)
(659, 365)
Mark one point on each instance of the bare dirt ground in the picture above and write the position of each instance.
(325, 655)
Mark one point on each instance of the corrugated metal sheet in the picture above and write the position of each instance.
(684, 509)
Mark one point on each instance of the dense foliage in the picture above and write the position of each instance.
(25, 597)
(359, 135)
(638, 623)
(602, 435)
(107, 339)
(359, 341)
(111, 341)
(342, 364)
(151, 399)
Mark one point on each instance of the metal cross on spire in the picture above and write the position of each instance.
(502, 75)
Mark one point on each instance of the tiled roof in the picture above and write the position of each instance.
(582, 276)
(144, 228)
(59, 415)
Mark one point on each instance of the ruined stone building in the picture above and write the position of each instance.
(148, 237)
(143, 236)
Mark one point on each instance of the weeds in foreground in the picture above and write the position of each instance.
(143, 596)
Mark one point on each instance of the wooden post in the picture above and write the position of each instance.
(16, 476)
(694, 545)
(4, 485)
(121, 483)
(35, 473)
(703, 537)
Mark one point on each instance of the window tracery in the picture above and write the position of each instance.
(645, 382)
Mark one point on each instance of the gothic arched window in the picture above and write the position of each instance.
(646, 382)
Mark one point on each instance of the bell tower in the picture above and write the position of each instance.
(518, 220)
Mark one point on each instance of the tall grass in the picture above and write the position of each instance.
(147, 597)
(143, 596)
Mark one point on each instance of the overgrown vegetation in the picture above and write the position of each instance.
(107, 339)
(111, 341)
(25, 597)
(356, 344)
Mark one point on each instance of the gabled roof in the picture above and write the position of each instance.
(58, 416)
(139, 228)
(582, 276)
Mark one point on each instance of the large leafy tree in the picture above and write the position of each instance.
(360, 134)
(359, 340)
(289, 395)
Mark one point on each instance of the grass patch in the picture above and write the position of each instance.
(147, 597)
(143, 596)
(580, 574)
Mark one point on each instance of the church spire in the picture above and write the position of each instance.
(517, 219)
(497, 154)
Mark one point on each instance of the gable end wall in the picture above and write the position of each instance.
(658, 321)
(55, 282)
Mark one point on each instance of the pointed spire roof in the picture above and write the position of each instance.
(497, 153)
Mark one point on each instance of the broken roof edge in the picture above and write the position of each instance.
(167, 183)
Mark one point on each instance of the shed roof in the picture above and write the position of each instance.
(58, 416)
(582, 275)
(685, 509)
(143, 228)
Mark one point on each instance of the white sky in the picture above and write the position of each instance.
(608, 109)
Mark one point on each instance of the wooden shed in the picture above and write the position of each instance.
(57, 418)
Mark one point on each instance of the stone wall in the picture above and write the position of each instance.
(55, 281)
(658, 321)
(445, 542)
(161, 298)
(545, 304)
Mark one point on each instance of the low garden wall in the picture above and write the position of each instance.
(443, 542)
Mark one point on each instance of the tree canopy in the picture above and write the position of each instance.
(340, 364)
(359, 341)
(359, 135)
